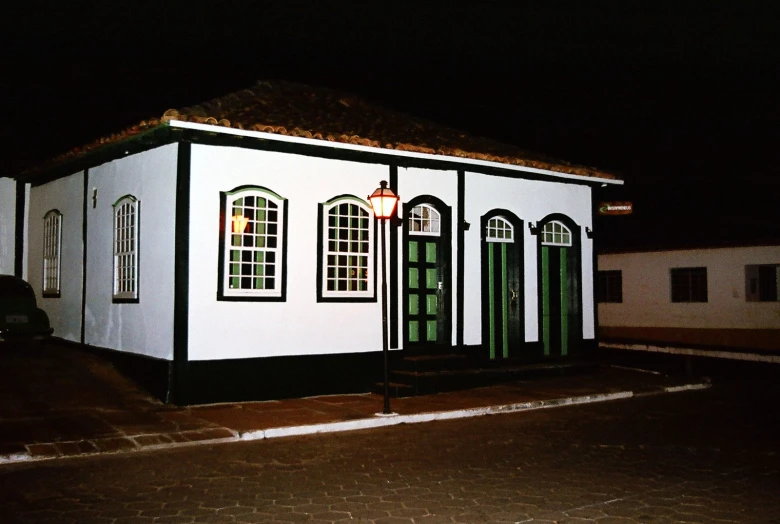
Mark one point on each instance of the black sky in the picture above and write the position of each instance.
(679, 101)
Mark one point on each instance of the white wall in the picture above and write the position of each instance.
(531, 201)
(7, 225)
(147, 327)
(65, 195)
(647, 292)
(414, 182)
(300, 325)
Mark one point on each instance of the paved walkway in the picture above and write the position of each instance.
(59, 402)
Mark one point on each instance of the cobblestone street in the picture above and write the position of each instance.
(704, 456)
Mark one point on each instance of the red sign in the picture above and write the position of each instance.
(615, 208)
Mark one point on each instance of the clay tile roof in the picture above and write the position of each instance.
(293, 109)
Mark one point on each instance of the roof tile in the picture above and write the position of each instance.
(292, 109)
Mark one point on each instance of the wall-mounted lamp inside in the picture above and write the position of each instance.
(239, 223)
(534, 229)
(466, 226)
(94, 197)
(588, 232)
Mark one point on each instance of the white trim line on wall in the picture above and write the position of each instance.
(390, 152)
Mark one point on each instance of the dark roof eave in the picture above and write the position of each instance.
(96, 154)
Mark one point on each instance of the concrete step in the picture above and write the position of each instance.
(405, 382)
(432, 362)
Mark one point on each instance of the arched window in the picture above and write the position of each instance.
(52, 245)
(347, 254)
(126, 249)
(555, 233)
(253, 223)
(499, 230)
(424, 220)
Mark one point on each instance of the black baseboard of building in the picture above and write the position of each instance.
(152, 374)
(273, 378)
(529, 352)
(681, 364)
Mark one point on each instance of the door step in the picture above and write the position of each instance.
(415, 382)
(433, 362)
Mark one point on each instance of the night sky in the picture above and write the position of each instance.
(682, 102)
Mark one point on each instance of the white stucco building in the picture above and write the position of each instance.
(228, 250)
(722, 298)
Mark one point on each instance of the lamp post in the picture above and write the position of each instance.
(383, 201)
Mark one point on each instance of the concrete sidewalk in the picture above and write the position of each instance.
(61, 402)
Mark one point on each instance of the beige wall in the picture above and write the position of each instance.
(647, 312)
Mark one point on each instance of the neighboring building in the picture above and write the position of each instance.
(716, 299)
(227, 250)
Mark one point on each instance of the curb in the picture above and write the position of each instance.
(370, 423)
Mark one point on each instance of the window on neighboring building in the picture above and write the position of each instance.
(761, 282)
(556, 234)
(126, 249)
(52, 245)
(347, 254)
(499, 230)
(425, 220)
(689, 284)
(610, 286)
(253, 244)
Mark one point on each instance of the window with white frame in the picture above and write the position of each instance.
(347, 259)
(425, 220)
(252, 258)
(52, 246)
(499, 230)
(126, 248)
(556, 234)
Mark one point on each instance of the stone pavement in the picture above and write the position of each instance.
(58, 402)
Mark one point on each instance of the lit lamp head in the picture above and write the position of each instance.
(383, 201)
(239, 223)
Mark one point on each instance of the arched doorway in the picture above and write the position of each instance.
(502, 285)
(560, 286)
(427, 305)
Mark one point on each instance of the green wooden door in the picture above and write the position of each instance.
(560, 312)
(504, 302)
(426, 314)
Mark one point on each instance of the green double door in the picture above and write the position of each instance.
(503, 302)
(561, 331)
(427, 303)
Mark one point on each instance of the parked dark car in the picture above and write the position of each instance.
(21, 320)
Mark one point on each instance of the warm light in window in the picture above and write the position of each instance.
(383, 200)
(239, 223)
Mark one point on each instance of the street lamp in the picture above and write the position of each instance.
(383, 201)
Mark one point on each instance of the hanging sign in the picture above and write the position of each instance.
(615, 208)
